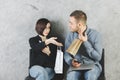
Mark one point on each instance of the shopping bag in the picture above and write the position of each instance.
(59, 61)
(74, 47)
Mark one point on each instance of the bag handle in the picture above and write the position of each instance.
(59, 48)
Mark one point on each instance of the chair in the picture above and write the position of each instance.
(102, 62)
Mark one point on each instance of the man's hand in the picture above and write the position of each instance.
(46, 50)
(82, 37)
(75, 63)
(82, 34)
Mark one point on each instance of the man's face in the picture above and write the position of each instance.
(73, 24)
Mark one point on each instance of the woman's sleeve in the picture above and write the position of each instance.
(36, 45)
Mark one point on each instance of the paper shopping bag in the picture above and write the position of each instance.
(59, 61)
(73, 48)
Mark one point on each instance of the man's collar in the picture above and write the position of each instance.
(87, 29)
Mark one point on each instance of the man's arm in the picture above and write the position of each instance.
(67, 57)
(94, 48)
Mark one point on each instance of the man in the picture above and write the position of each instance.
(90, 50)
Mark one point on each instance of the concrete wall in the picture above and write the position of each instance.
(18, 17)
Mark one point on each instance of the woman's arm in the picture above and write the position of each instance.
(36, 44)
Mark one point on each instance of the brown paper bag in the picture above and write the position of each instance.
(73, 48)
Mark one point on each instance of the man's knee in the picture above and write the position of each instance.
(73, 75)
(91, 77)
(92, 74)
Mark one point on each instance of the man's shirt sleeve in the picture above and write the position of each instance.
(94, 47)
(67, 56)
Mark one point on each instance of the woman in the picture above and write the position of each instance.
(44, 50)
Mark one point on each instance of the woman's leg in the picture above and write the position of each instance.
(39, 73)
(50, 72)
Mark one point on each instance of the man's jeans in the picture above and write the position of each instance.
(89, 75)
(41, 73)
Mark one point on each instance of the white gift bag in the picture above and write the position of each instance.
(59, 61)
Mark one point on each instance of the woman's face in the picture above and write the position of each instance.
(46, 30)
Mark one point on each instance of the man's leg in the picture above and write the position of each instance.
(92, 74)
(73, 75)
(39, 73)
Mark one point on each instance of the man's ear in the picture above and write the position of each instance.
(79, 24)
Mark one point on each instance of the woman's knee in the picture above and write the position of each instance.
(50, 72)
(35, 71)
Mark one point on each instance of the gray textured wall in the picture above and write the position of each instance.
(18, 17)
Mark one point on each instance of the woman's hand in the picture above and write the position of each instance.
(53, 41)
(46, 50)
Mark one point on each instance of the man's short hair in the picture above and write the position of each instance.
(79, 16)
(41, 25)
